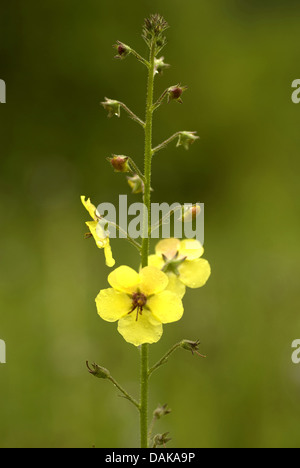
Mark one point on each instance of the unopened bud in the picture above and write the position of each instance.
(98, 371)
(191, 213)
(175, 93)
(136, 184)
(161, 411)
(119, 163)
(192, 346)
(161, 439)
(153, 30)
(112, 107)
(186, 139)
(122, 49)
(160, 65)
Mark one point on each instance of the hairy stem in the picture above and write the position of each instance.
(160, 100)
(164, 359)
(145, 243)
(132, 114)
(166, 142)
(139, 57)
(135, 169)
(126, 394)
(130, 239)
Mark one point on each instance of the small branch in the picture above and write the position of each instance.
(132, 115)
(130, 239)
(140, 58)
(126, 394)
(151, 427)
(165, 218)
(157, 414)
(188, 345)
(160, 100)
(136, 169)
(165, 143)
(164, 359)
(102, 373)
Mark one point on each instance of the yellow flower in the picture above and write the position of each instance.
(181, 261)
(140, 303)
(98, 232)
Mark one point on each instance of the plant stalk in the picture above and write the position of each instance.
(145, 243)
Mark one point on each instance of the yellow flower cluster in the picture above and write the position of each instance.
(181, 261)
(142, 302)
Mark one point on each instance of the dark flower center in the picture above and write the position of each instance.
(139, 301)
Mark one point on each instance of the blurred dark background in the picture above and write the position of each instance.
(239, 59)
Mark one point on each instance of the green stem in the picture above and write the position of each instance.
(166, 142)
(144, 396)
(160, 99)
(164, 359)
(130, 239)
(132, 114)
(139, 57)
(126, 394)
(148, 159)
(135, 169)
(145, 243)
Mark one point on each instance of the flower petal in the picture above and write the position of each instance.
(168, 247)
(175, 285)
(124, 279)
(166, 307)
(112, 305)
(152, 280)
(156, 261)
(144, 330)
(191, 249)
(194, 274)
(110, 261)
(101, 242)
(90, 207)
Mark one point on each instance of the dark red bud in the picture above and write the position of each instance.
(121, 50)
(177, 92)
(120, 163)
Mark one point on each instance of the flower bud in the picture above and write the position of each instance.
(136, 184)
(175, 93)
(186, 139)
(160, 66)
(153, 30)
(192, 346)
(112, 107)
(161, 439)
(122, 49)
(119, 163)
(98, 371)
(190, 213)
(161, 411)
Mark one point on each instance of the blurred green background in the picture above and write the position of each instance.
(239, 59)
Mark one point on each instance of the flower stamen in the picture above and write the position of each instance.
(139, 301)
